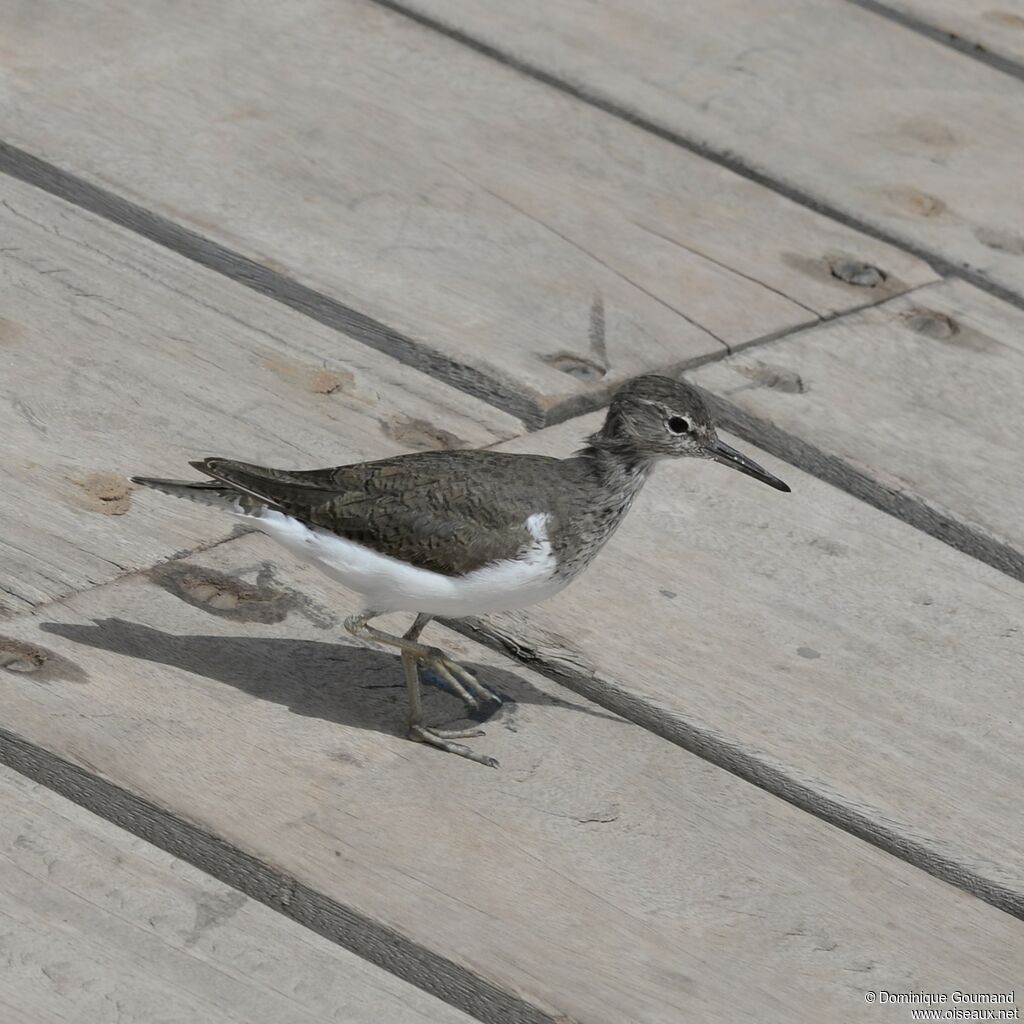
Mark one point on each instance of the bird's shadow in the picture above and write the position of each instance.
(352, 685)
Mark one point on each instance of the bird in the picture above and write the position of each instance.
(466, 532)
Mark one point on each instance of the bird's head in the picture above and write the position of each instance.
(658, 417)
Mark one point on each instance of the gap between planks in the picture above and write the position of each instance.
(258, 880)
(943, 37)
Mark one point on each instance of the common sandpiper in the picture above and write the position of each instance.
(458, 533)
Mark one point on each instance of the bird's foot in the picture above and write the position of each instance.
(466, 685)
(441, 738)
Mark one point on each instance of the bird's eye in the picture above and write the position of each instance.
(679, 425)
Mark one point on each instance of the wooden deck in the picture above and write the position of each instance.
(765, 760)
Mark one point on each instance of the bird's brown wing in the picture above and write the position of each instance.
(450, 512)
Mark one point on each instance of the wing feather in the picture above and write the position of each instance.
(448, 512)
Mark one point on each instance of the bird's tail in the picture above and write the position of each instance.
(206, 492)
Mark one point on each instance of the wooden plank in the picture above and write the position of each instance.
(822, 648)
(120, 357)
(863, 116)
(602, 874)
(96, 925)
(976, 25)
(502, 226)
(921, 395)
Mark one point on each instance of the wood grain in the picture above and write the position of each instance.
(602, 874)
(819, 647)
(858, 114)
(96, 925)
(119, 358)
(921, 395)
(501, 225)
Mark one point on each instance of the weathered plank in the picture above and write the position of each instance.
(494, 222)
(96, 925)
(920, 395)
(817, 646)
(859, 114)
(119, 357)
(602, 874)
(981, 26)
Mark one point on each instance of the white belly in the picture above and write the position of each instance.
(390, 585)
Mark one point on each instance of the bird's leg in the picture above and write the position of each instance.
(411, 658)
(441, 738)
(412, 682)
(461, 680)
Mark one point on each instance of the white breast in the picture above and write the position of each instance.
(388, 584)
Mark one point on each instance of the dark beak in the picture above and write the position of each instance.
(727, 456)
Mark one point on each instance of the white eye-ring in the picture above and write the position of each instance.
(679, 425)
